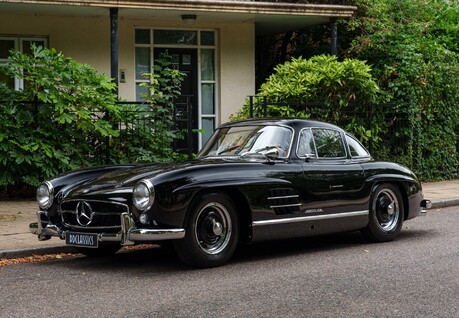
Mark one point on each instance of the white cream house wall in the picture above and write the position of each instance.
(86, 39)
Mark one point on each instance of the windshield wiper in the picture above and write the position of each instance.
(227, 150)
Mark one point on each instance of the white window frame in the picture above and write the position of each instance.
(198, 48)
(19, 45)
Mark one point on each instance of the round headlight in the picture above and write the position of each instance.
(45, 195)
(143, 195)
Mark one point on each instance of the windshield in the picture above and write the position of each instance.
(274, 141)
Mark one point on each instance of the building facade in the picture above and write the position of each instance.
(213, 42)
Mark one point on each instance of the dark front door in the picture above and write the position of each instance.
(187, 105)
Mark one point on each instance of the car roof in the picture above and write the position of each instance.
(290, 122)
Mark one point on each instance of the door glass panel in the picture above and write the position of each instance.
(208, 99)
(329, 143)
(5, 47)
(207, 38)
(208, 126)
(140, 92)
(175, 37)
(306, 145)
(142, 36)
(142, 62)
(207, 65)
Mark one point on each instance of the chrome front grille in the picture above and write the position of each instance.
(92, 215)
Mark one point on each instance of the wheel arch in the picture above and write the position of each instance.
(241, 206)
(402, 186)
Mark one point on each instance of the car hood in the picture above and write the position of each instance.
(120, 182)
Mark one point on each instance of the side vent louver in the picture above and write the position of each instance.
(284, 201)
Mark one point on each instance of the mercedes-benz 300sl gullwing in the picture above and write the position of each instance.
(253, 180)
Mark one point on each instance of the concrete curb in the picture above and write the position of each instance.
(26, 252)
(445, 203)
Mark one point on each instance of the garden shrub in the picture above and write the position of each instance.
(56, 122)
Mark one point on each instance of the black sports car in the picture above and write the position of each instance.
(253, 180)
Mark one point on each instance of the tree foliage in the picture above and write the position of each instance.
(412, 47)
(50, 126)
(155, 141)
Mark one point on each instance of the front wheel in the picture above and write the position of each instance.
(386, 214)
(211, 231)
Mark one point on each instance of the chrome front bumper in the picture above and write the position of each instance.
(129, 234)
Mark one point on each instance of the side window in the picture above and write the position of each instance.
(306, 146)
(355, 147)
(329, 143)
(22, 44)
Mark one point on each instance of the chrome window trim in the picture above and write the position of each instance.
(343, 139)
(310, 218)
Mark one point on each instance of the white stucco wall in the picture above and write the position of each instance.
(87, 40)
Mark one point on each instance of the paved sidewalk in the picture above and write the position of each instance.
(17, 241)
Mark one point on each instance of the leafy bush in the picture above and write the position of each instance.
(321, 88)
(152, 138)
(56, 122)
(413, 49)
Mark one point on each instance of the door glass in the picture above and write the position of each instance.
(142, 62)
(207, 65)
(208, 99)
(306, 144)
(140, 92)
(329, 143)
(208, 125)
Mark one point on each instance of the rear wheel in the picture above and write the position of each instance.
(386, 214)
(211, 231)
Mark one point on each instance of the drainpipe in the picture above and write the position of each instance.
(334, 37)
(113, 67)
(114, 46)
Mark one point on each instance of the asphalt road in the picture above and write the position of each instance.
(334, 276)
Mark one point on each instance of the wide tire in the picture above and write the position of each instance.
(101, 251)
(386, 214)
(211, 231)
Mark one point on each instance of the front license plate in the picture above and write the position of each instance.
(81, 239)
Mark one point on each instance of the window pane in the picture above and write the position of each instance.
(5, 47)
(208, 125)
(306, 144)
(142, 36)
(207, 38)
(207, 65)
(328, 143)
(208, 99)
(142, 62)
(140, 92)
(356, 149)
(8, 80)
(26, 45)
(175, 37)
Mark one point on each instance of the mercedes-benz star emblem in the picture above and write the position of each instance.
(83, 213)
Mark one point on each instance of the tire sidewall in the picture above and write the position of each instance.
(374, 231)
(188, 248)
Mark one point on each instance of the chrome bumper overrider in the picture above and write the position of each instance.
(128, 235)
(425, 204)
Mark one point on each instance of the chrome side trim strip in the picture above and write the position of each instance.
(284, 197)
(284, 206)
(311, 218)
